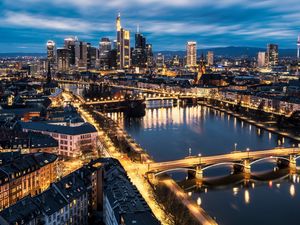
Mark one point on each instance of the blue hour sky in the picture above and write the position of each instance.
(26, 25)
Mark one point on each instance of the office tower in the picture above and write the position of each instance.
(69, 43)
(160, 60)
(93, 61)
(81, 55)
(140, 40)
(210, 58)
(123, 46)
(63, 59)
(191, 54)
(149, 55)
(139, 57)
(105, 47)
(261, 59)
(272, 55)
(51, 52)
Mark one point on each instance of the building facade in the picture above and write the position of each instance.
(105, 48)
(261, 59)
(81, 55)
(69, 43)
(272, 55)
(71, 200)
(123, 46)
(210, 58)
(25, 174)
(63, 57)
(72, 140)
(191, 54)
(51, 52)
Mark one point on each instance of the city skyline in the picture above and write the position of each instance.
(167, 25)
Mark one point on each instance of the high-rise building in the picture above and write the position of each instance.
(123, 46)
(81, 55)
(93, 61)
(63, 59)
(210, 58)
(272, 55)
(51, 57)
(261, 59)
(149, 54)
(69, 43)
(160, 60)
(139, 57)
(191, 54)
(105, 47)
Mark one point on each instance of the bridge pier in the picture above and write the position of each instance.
(247, 169)
(196, 174)
(199, 173)
(293, 163)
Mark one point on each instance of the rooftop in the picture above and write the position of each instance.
(68, 130)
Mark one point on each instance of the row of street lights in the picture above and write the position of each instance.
(235, 150)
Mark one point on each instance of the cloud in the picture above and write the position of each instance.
(19, 19)
(165, 23)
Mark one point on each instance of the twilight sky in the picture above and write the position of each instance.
(26, 25)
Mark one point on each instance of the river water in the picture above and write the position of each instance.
(271, 197)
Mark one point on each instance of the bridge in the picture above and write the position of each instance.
(241, 162)
(81, 82)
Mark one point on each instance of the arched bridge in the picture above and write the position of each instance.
(241, 160)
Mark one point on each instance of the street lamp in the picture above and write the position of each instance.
(235, 145)
(199, 155)
(190, 151)
(248, 150)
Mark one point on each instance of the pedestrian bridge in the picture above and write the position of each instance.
(241, 161)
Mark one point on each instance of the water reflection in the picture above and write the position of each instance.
(168, 133)
(272, 192)
(268, 197)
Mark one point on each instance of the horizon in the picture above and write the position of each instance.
(28, 24)
(179, 50)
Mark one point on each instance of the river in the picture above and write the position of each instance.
(169, 132)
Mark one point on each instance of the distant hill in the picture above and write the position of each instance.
(233, 52)
(21, 54)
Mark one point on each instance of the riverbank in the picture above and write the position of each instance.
(253, 122)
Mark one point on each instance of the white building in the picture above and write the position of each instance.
(191, 54)
(71, 139)
(261, 59)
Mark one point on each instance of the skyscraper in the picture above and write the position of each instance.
(104, 52)
(160, 60)
(92, 57)
(149, 54)
(81, 55)
(69, 43)
(191, 54)
(51, 56)
(272, 55)
(63, 59)
(139, 57)
(261, 59)
(123, 46)
(210, 58)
